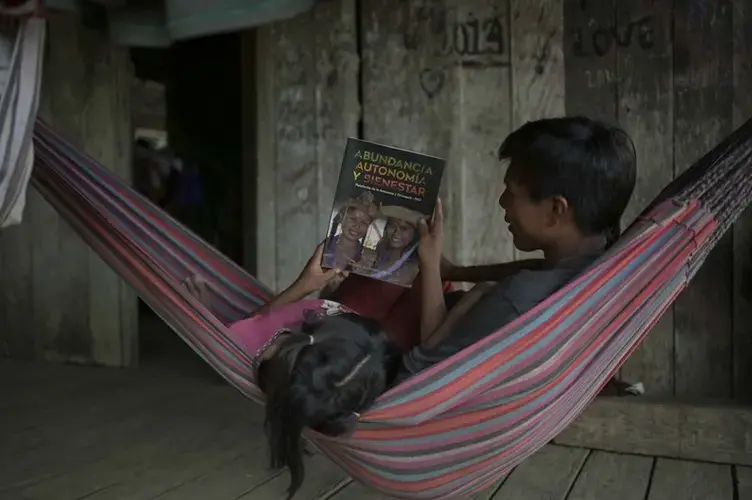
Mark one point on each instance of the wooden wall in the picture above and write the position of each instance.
(58, 300)
(453, 78)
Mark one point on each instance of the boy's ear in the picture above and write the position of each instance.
(559, 207)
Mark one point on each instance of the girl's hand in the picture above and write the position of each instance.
(198, 287)
(314, 277)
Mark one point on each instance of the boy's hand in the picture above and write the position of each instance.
(430, 248)
(314, 277)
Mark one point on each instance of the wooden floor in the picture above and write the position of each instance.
(173, 431)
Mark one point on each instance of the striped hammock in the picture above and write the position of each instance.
(463, 424)
(21, 49)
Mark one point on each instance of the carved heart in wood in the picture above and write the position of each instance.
(432, 81)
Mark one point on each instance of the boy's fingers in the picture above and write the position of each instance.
(439, 213)
(422, 228)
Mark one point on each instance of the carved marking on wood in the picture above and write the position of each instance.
(600, 77)
(600, 40)
(432, 81)
(453, 39)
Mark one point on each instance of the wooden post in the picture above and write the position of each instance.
(60, 301)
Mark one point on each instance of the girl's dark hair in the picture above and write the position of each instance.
(320, 385)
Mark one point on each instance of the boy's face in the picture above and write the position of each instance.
(535, 225)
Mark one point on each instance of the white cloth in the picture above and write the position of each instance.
(21, 55)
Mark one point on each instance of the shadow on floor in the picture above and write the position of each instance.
(160, 346)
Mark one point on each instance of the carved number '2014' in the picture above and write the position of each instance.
(474, 37)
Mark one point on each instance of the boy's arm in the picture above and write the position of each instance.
(490, 272)
(432, 305)
(459, 310)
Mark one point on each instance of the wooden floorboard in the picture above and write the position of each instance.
(322, 479)
(743, 479)
(174, 432)
(613, 476)
(684, 480)
(560, 467)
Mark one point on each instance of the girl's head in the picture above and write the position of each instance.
(320, 377)
(357, 216)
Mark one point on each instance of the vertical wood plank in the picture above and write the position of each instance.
(44, 254)
(703, 94)
(337, 98)
(690, 481)
(483, 121)
(412, 108)
(68, 334)
(307, 80)
(645, 110)
(613, 476)
(537, 62)
(108, 134)
(16, 292)
(249, 152)
(455, 103)
(742, 230)
(590, 54)
(266, 158)
(296, 166)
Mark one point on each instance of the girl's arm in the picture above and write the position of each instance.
(295, 292)
(312, 279)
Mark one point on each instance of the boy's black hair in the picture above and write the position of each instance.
(591, 164)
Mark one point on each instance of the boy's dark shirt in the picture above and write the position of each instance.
(506, 301)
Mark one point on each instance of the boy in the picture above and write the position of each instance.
(567, 185)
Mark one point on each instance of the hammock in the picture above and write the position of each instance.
(460, 426)
(21, 48)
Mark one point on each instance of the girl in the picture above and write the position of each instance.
(323, 366)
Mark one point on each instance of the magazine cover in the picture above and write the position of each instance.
(381, 195)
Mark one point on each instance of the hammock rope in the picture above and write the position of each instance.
(463, 424)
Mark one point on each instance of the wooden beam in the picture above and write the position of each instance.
(712, 432)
